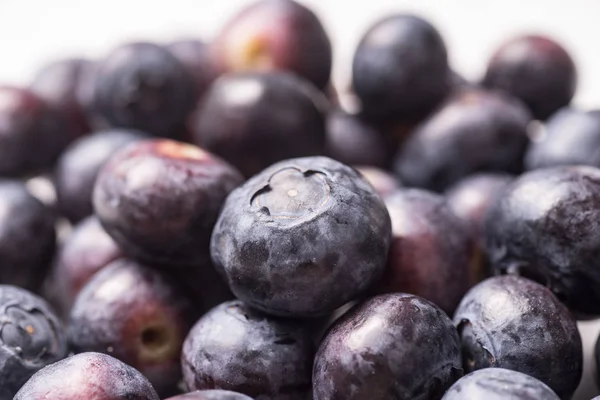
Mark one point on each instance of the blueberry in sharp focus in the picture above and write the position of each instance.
(196, 57)
(514, 323)
(137, 315)
(569, 137)
(537, 70)
(255, 119)
(90, 376)
(400, 68)
(143, 86)
(234, 347)
(382, 181)
(27, 236)
(545, 227)
(431, 249)
(474, 131)
(77, 168)
(391, 347)
(499, 384)
(211, 395)
(271, 35)
(302, 238)
(159, 199)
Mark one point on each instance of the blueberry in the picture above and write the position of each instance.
(382, 181)
(77, 168)
(400, 68)
(535, 69)
(159, 199)
(302, 238)
(514, 323)
(211, 395)
(236, 348)
(391, 347)
(143, 86)
(196, 57)
(544, 227)
(474, 131)
(431, 249)
(137, 315)
(276, 35)
(499, 384)
(253, 120)
(88, 376)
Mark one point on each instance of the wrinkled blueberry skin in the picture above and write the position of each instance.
(159, 199)
(382, 181)
(137, 315)
(536, 70)
(91, 376)
(302, 238)
(391, 347)
(27, 236)
(514, 323)
(431, 250)
(545, 227)
(77, 168)
(196, 57)
(143, 86)
(474, 131)
(253, 120)
(570, 137)
(499, 384)
(211, 395)
(400, 68)
(31, 337)
(276, 35)
(234, 347)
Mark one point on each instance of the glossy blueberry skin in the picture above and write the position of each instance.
(234, 347)
(474, 131)
(92, 376)
(196, 57)
(365, 354)
(276, 35)
(431, 250)
(137, 315)
(302, 238)
(27, 236)
(211, 395)
(545, 227)
(159, 199)
(31, 337)
(536, 70)
(253, 120)
(77, 169)
(514, 323)
(382, 181)
(143, 86)
(569, 137)
(400, 68)
(499, 384)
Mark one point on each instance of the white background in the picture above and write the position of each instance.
(33, 32)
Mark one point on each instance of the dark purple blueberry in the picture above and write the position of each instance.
(27, 236)
(211, 395)
(32, 134)
(545, 227)
(275, 35)
(535, 69)
(474, 131)
(58, 83)
(569, 137)
(253, 120)
(391, 347)
(514, 323)
(90, 376)
(196, 57)
(302, 238)
(159, 199)
(234, 347)
(353, 141)
(77, 168)
(400, 68)
(383, 182)
(499, 384)
(31, 337)
(137, 315)
(143, 86)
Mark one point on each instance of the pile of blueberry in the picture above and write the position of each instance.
(224, 228)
